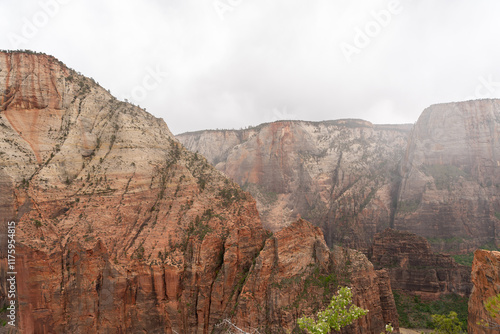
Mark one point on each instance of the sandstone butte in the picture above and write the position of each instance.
(486, 279)
(439, 179)
(120, 229)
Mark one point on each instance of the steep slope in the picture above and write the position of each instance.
(296, 264)
(451, 176)
(340, 175)
(486, 279)
(119, 229)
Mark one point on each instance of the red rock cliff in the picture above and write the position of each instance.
(340, 175)
(295, 265)
(119, 228)
(486, 279)
(354, 179)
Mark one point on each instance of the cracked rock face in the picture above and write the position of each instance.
(296, 264)
(486, 279)
(120, 229)
(415, 268)
(354, 179)
(340, 175)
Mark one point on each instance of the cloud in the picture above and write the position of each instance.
(265, 56)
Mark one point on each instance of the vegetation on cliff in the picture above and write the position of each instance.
(339, 313)
(417, 313)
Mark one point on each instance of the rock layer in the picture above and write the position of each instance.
(414, 267)
(119, 229)
(486, 279)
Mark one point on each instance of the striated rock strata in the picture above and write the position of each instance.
(451, 176)
(486, 279)
(119, 229)
(413, 267)
(354, 179)
(340, 175)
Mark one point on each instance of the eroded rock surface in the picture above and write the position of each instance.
(295, 265)
(413, 266)
(119, 228)
(451, 176)
(486, 279)
(354, 179)
(341, 175)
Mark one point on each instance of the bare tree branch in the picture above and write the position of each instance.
(233, 329)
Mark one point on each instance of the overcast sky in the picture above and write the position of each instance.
(202, 64)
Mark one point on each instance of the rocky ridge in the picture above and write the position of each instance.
(296, 264)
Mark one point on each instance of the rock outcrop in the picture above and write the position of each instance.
(120, 229)
(340, 175)
(451, 176)
(413, 266)
(296, 264)
(486, 279)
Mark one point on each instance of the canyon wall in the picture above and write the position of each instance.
(295, 265)
(451, 176)
(120, 229)
(440, 180)
(341, 175)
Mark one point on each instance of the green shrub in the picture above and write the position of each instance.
(340, 313)
(447, 324)
(415, 313)
(464, 259)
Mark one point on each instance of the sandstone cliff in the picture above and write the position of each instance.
(340, 175)
(413, 267)
(122, 230)
(486, 279)
(119, 229)
(295, 265)
(451, 176)
(354, 179)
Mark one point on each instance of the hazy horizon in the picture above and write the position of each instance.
(232, 64)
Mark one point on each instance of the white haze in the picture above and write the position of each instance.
(269, 60)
